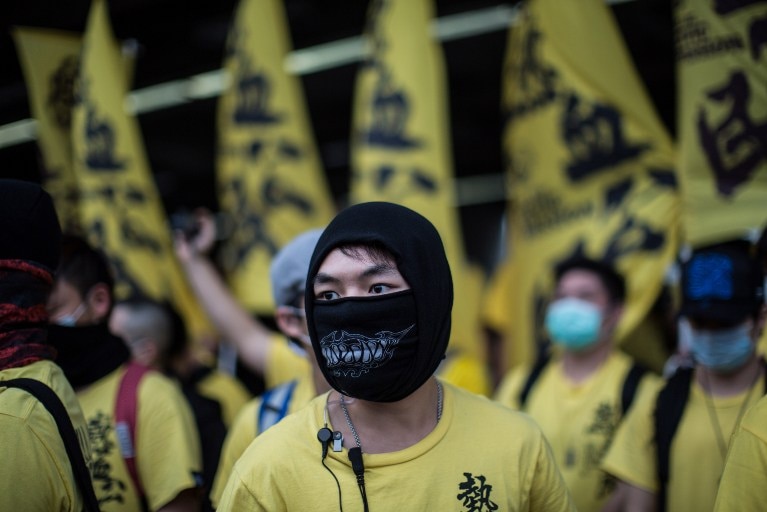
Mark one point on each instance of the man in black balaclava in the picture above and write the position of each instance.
(393, 437)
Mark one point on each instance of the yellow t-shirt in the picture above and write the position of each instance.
(245, 429)
(285, 363)
(227, 391)
(744, 481)
(167, 447)
(35, 470)
(579, 420)
(480, 456)
(695, 461)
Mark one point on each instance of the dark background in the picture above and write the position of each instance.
(180, 38)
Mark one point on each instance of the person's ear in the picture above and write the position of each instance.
(99, 301)
(291, 324)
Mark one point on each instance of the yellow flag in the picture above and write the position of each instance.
(270, 178)
(400, 139)
(591, 167)
(722, 117)
(121, 210)
(49, 60)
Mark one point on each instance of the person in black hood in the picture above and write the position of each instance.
(39, 468)
(142, 433)
(415, 311)
(393, 437)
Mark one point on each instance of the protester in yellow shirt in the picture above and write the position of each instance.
(390, 436)
(579, 394)
(159, 464)
(36, 472)
(670, 451)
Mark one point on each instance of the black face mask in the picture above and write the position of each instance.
(369, 346)
(87, 353)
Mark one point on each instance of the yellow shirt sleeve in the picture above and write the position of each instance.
(631, 456)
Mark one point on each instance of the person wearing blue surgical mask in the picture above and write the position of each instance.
(670, 452)
(579, 391)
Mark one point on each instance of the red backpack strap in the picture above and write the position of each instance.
(126, 412)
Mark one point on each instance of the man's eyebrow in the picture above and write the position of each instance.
(378, 270)
(322, 278)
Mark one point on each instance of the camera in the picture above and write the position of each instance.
(186, 223)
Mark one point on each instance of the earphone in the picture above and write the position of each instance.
(325, 436)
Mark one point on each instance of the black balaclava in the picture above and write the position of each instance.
(420, 258)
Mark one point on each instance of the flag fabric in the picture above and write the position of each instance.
(722, 117)
(121, 211)
(49, 60)
(401, 141)
(590, 165)
(269, 174)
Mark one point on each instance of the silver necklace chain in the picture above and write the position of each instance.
(354, 430)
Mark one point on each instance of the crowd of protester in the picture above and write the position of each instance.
(103, 407)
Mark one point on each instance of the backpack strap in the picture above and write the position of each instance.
(630, 386)
(669, 408)
(274, 405)
(52, 403)
(532, 377)
(126, 412)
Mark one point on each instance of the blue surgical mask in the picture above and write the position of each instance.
(71, 319)
(573, 323)
(722, 351)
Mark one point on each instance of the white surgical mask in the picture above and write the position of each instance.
(71, 319)
(722, 350)
(573, 323)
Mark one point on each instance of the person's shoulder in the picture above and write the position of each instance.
(160, 390)
(295, 434)
(299, 423)
(487, 411)
(45, 372)
(246, 418)
(511, 384)
(217, 379)
(158, 382)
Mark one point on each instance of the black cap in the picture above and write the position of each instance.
(722, 283)
(29, 227)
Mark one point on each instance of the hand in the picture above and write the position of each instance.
(202, 242)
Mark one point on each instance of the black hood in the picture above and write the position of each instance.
(420, 257)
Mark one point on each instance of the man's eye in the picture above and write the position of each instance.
(327, 295)
(379, 288)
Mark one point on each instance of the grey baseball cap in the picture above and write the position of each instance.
(290, 266)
